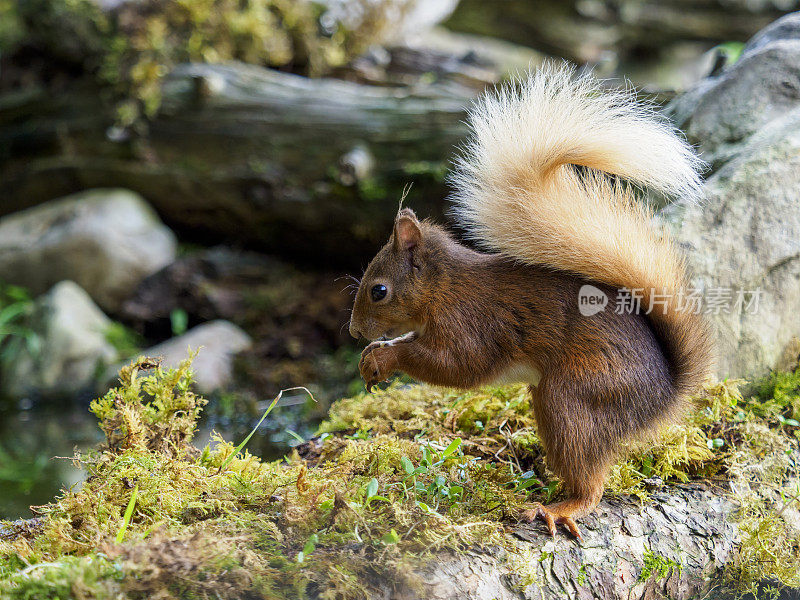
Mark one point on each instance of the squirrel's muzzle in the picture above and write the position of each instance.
(354, 331)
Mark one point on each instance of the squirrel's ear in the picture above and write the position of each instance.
(407, 232)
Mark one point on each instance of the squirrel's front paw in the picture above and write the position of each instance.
(378, 362)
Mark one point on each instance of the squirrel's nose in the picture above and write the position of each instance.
(353, 331)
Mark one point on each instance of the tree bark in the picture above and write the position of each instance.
(688, 525)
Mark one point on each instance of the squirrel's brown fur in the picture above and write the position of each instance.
(466, 318)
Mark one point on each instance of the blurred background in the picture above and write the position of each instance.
(178, 173)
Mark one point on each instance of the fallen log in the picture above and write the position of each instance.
(308, 168)
(629, 29)
(674, 546)
(403, 496)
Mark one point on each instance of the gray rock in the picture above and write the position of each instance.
(218, 342)
(785, 28)
(745, 234)
(71, 349)
(722, 112)
(106, 240)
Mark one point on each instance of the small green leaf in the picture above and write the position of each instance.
(427, 458)
(731, 50)
(526, 483)
(528, 479)
(551, 489)
(372, 488)
(408, 466)
(361, 434)
(179, 321)
(647, 465)
(391, 537)
(311, 544)
(451, 448)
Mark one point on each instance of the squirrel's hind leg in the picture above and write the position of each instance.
(578, 449)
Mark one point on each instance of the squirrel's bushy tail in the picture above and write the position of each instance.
(518, 192)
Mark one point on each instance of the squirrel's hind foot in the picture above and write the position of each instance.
(561, 513)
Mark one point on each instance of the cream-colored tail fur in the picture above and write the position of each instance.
(518, 192)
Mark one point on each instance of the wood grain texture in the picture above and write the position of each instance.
(689, 525)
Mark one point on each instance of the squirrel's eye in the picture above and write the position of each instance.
(378, 292)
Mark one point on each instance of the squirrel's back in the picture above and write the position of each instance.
(546, 179)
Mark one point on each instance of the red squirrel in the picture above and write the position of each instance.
(545, 186)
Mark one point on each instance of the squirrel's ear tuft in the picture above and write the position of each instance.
(407, 232)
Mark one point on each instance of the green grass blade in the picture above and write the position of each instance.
(264, 416)
(12, 311)
(295, 435)
(126, 519)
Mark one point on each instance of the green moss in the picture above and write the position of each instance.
(657, 566)
(242, 527)
(436, 169)
(762, 466)
(723, 434)
(130, 50)
(769, 550)
(398, 475)
(765, 484)
(500, 419)
(83, 578)
(778, 396)
(581, 577)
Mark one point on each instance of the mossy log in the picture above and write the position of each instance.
(411, 492)
(312, 168)
(675, 546)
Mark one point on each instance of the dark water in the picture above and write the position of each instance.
(30, 441)
(33, 440)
